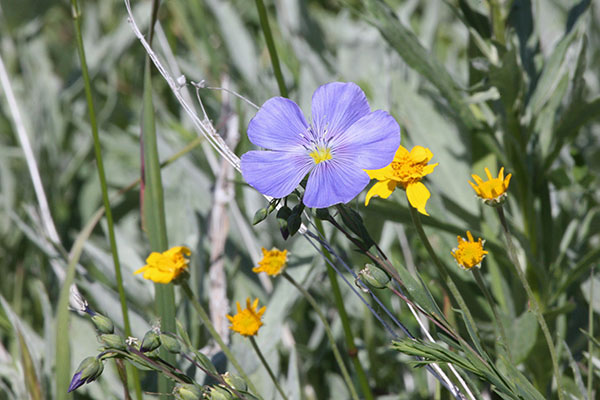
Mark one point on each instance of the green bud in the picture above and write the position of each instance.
(260, 216)
(187, 391)
(170, 343)
(219, 393)
(103, 324)
(113, 341)
(235, 381)
(374, 276)
(150, 342)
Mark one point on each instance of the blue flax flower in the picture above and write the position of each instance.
(345, 138)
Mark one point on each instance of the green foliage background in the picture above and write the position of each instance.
(520, 92)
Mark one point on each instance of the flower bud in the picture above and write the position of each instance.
(187, 391)
(113, 341)
(88, 371)
(219, 393)
(374, 276)
(150, 342)
(260, 216)
(170, 343)
(103, 324)
(235, 381)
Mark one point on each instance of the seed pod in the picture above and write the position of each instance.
(150, 342)
(374, 276)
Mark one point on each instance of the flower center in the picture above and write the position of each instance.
(407, 171)
(320, 154)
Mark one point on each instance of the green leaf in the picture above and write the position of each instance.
(154, 215)
(522, 336)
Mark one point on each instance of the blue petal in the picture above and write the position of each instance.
(370, 142)
(333, 182)
(336, 106)
(278, 125)
(275, 173)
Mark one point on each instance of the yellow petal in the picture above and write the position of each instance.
(382, 189)
(418, 195)
(420, 154)
(429, 169)
(400, 153)
(380, 174)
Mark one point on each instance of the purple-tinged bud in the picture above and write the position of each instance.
(88, 371)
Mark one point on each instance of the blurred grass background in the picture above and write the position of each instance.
(534, 110)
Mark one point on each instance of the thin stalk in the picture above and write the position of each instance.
(215, 335)
(266, 365)
(328, 332)
(102, 176)
(499, 324)
(441, 268)
(590, 376)
(264, 24)
(534, 305)
(497, 20)
(339, 302)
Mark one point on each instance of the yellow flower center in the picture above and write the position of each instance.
(273, 262)
(247, 321)
(320, 154)
(406, 170)
(469, 253)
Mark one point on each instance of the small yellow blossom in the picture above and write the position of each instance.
(247, 321)
(273, 262)
(407, 169)
(469, 253)
(492, 191)
(166, 266)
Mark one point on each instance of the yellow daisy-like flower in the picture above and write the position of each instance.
(273, 262)
(407, 169)
(166, 266)
(247, 321)
(492, 191)
(469, 253)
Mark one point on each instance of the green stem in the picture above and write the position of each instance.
(266, 365)
(328, 332)
(497, 21)
(215, 335)
(339, 302)
(533, 303)
(590, 376)
(446, 278)
(264, 24)
(102, 176)
(488, 296)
